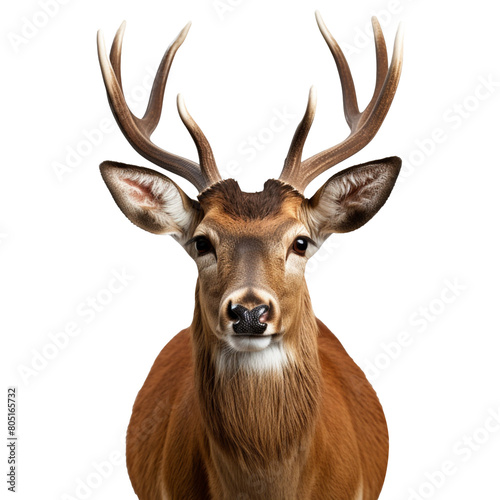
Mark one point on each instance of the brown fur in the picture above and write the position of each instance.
(322, 447)
(311, 429)
(239, 205)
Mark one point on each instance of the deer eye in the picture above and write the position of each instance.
(299, 246)
(203, 245)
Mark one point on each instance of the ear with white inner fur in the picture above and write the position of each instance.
(352, 197)
(149, 199)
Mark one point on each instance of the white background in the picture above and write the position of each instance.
(62, 237)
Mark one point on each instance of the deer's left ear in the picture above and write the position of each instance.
(352, 197)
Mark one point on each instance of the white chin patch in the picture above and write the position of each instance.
(249, 343)
(254, 354)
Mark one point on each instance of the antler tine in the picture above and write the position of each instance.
(138, 130)
(351, 109)
(152, 115)
(115, 55)
(382, 67)
(207, 161)
(363, 125)
(294, 157)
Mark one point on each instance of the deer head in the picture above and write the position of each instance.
(251, 249)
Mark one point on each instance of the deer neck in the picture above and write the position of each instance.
(259, 420)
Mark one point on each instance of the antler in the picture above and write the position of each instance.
(138, 130)
(364, 125)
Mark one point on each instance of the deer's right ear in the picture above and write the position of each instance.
(149, 199)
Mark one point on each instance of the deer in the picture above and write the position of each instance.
(256, 399)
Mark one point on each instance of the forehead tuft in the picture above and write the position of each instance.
(227, 197)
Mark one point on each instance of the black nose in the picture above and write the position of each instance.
(246, 321)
